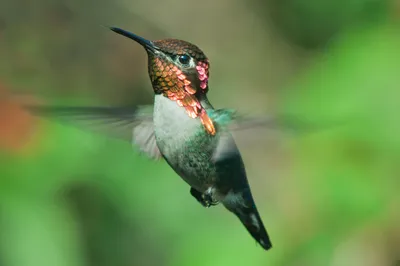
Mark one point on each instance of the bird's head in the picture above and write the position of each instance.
(178, 70)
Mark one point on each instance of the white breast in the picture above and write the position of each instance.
(173, 126)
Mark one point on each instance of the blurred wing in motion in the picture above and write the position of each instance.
(135, 125)
(284, 124)
(244, 130)
(132, 124)
(248, 130)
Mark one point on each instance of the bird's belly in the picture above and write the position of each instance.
(198, 174)
(184, 143)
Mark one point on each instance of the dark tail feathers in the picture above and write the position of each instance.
(247, 213)
(254, 225)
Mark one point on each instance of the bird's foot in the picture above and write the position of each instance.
(206, 199)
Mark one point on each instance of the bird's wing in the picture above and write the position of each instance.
(135, 125)
(132, 124)
(247, 130)
(231, 129)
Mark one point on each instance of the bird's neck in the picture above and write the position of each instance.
(205, 103)
(196, 106)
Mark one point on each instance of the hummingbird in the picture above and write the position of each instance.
(183, 128)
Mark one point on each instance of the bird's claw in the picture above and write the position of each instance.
(206, 199)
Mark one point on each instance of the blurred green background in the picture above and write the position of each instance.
(327, 197)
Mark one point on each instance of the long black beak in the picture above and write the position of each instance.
(148, 45)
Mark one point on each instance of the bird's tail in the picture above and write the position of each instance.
(243, 206)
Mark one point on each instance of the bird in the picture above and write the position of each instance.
(183, 128)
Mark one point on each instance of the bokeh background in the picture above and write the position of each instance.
(328, 196)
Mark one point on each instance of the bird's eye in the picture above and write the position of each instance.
(184, 59)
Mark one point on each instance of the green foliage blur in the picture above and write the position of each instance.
(327, 196)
